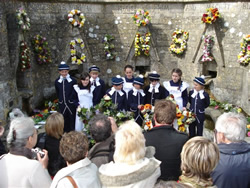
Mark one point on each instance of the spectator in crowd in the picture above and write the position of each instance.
(233, 169)
(50, 141)
(199, 157)
(2, 147)
(131, 166)
(167, 141)
(18, 168)
(80, 171)
(170, 184)
(101, 131)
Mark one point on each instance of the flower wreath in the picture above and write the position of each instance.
(209, 42)
(147, 111)
(141, 17)
(211, 16)
(179, 41)
(74, 58)
(244, 55)
(184, 118)
(24, 56)
(77, 23)
(108, 47)
(43, 54)
(142, 44)
(22, 19)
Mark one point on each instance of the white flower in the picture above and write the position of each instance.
(79, 109)
(75, 24)
(71, 19)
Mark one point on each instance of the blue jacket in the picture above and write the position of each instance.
(233, 169)
(99, 92)
(121, 101)
(198, 105)
(66, 94)
(149, 99)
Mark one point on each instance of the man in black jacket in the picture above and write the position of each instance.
(167, 141)
(233, 169)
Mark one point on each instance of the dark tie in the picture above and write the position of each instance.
(94, 83)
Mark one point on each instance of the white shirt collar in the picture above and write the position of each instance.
(97, 81)
(67, 77)
(135, 91)
(156, 88)
(111, 92)
(196, 92)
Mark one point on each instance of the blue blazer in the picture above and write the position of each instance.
(99, 92)
(121, 101)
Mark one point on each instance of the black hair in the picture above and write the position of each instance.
(100, 127)
(83, 77)
(128, 66)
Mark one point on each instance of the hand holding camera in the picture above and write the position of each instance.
(42, 156)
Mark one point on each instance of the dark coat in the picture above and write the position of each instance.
(66, 94)
(233, 169)
(99, 92)
(51, 144)
(198, 105)
(168, 144)
(121, 101)
(161, 95)
(102, 153)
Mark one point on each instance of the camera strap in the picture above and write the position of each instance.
(72, 181)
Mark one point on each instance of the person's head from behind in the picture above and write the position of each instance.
(73, 146)
(100, 128)
(176, 75)
(170, 184)
(230, 127)
(129, 143)
(54, 125)
(129, 71)
(22, 134)
(199, 157)
(164, 112)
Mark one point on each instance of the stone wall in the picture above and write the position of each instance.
(49, 19)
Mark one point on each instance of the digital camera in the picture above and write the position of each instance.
(37, 150)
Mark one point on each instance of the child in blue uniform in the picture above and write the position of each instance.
(154, 91)
(199, 100)
(117, 94)
(128, 79)
(99, 84)
(68, 100)
(136, 99)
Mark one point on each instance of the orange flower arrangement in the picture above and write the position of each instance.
(211, 16)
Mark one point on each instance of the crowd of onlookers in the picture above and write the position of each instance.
(126, 156)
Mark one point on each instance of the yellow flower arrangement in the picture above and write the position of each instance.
(141, 17)
(76, 23)
(142, 44)
(74, 58)
(244, 55)
(179, 45)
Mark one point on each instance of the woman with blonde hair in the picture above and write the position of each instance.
(134, 164)
(199, 157)
(18, 168)
(50, 141)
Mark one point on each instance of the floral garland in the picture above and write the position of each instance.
(211, 16)
(108, 47)
(141, 17)
(244, 55)
(43, 54)
(147, 111)
(76, 23)
(142, 44)
(179, 41)
(24, 56)
(208, 44)
(74, 58)
(184, 118)
(22, 19)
